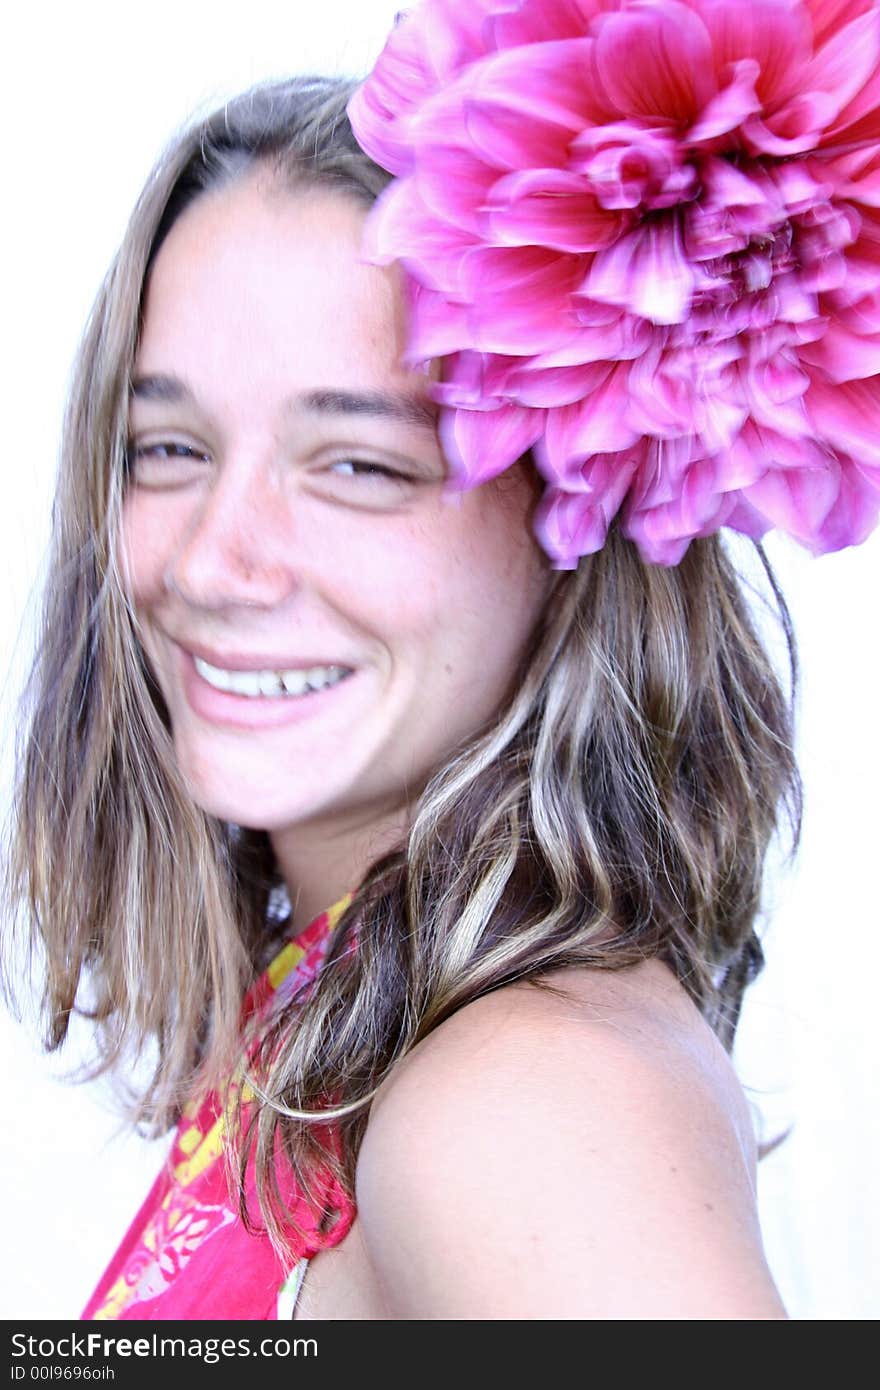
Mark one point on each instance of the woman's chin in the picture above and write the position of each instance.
(250, 807)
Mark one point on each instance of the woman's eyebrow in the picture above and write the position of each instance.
(389, 405)
(171, 390)
(412, 409)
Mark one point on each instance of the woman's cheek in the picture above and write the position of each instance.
(392, 570)
(148, 536)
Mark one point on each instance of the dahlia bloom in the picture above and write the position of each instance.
(643, 237)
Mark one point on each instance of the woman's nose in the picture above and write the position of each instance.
(239, 548)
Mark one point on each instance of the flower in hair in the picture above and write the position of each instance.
(643, 237)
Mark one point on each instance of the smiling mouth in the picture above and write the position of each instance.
(269, 684)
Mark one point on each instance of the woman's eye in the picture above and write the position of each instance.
(363, 484)
(164, 460)
(365, 468)
(166, 450)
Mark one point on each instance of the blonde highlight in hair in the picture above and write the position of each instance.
(619, 807)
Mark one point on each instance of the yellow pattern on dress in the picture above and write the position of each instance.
(202, 1149)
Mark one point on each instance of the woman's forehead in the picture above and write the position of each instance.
(255, 280)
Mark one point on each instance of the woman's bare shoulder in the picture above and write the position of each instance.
(585, 1152)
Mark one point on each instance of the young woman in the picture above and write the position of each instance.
(422, 874)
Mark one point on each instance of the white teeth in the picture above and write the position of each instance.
(270, 683)
(295, 682)
(219, 678)
(317, 675)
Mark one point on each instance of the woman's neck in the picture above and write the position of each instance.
(320, 861)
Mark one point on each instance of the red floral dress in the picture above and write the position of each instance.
(187, 1253)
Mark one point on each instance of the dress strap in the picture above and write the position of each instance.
(289, 1291)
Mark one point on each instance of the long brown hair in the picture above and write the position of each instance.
(634, 779)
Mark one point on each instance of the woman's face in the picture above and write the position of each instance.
(285, 525)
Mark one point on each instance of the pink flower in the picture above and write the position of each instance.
(643, 236)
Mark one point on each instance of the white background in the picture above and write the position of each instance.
(90, 92)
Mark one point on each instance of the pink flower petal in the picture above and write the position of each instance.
(795, 304)
(663, 532)
(797, 500)
(480, 444)
(775, 34)
(534, 21)
(456, 33)
(729, 187)
(660, 401)
(548, 207)
(848, 417)
(658, 536)
(664, 468)
(745, 518)
(400, 227)
(547, 82)
(627, 167)
(573, 520)
(463, 382)
(844, 356)
(859, 122)
(676, 395)
(533, 381)
(803, 187)
(773, 388)
(829, 16)
(729, 108)
(520, 299)
(718, 420)
(595, 425)
(654, 62)
(701, 497)
(605, 333)
(436, 325)
(853, 515)
(499, 135)
(569, 525)
(750, 455)
(378, 108)
(856, 176)
(863, 316)
(553, 386)
(454, 185)
(605, 477)
(646, 272)
(423, 51)
(846, 62)
(792, 129)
